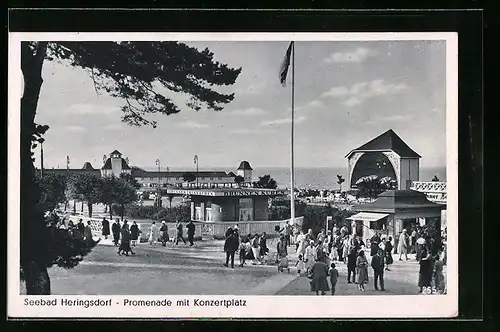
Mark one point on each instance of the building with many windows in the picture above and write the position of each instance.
(115, 165)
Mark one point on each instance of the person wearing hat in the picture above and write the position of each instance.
(81, 228)
(281, 247)
(153, 234)
(105, 228)
(164, 233)
(351, 263)
(179, 234)
(378, 265)
(115, 229)
(229, 231)
(310, 256)
(403, 245)
(191, 230)
(230, 246)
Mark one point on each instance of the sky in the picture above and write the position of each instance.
(346, 93)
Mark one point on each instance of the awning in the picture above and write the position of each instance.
(362, 216)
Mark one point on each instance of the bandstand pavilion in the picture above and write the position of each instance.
(387, 155)
(394, 210)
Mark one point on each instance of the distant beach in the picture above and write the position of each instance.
(326, 177)
(317, 177)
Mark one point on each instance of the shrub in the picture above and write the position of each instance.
(314, 215)
(181, 213)
(135, 211)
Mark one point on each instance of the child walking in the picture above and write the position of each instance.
(243, 251)
(334, 276)
(301, 265)
(334, 254)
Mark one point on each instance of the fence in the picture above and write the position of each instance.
(213, 230)
(218, 229)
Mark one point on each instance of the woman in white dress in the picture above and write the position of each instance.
(346, 247)
(154, 234)
(301, 249)
(255, 249)
(310, 256)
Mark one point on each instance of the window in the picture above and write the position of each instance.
(246, 209)
(151, 178)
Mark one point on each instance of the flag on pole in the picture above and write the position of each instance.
(195, 159)
(285, 65)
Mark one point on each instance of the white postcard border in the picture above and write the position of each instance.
(417, 306)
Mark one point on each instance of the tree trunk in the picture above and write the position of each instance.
(74, 206)
(82, 207)
(35, 243)
(110, 212)
(89, 205)
(122, 210)
(36, 278)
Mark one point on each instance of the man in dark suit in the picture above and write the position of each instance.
(191, 230)
(378, 264)
(230, 247)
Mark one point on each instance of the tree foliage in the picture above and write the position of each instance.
(314, 215)
(340, 180)
(189, 177)
(53, 188)
(266, 182)
(125, 194)
(127, 177)
(87, 187)
(371, 186)
(239, 179)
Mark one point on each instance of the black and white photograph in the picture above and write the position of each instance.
(264, 171)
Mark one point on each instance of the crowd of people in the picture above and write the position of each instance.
(317, 253)
(250, 247)
(159, 234)
(124, 235)
(80, 230)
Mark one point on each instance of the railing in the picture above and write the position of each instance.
(429, 186)
(435, 191)
(218, 229)
(144, 227)
(202, 228)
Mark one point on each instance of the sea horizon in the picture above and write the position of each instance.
(318, 177)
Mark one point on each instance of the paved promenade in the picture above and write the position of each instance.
(172, 270)
(199, 270)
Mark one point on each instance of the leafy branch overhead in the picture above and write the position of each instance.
(137, 71)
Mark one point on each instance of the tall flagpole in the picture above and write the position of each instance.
(292, 175)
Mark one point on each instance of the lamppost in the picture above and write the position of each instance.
(159, 181)
(196, 163)
(166, 178)
(67, 170)
(41, 157)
